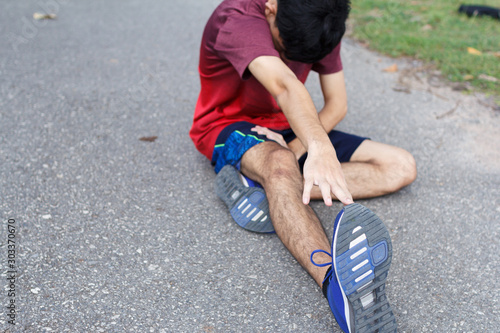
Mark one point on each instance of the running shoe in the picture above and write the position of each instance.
(355, 284)
(245, 199)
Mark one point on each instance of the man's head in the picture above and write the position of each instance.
(307, 30)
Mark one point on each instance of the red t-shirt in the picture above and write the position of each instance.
(237, 33)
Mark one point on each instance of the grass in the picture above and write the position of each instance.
(434, 32)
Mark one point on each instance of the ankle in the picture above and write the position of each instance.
(326, 282)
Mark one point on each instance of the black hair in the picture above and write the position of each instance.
(311, 29)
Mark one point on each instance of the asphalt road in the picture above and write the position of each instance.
(115, 234)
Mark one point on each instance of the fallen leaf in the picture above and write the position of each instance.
(41, 16)
(473, 51)
(496, 54)
(488, 78)
(149, 138)
(427, 27)
(468, 77)
(406, 90)
(391, 69)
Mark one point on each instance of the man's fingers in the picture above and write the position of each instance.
(339, 190)
(261, 130)
(270, 135)
(326, 193)
(306, 197)
(345, 198)
(258, 129)
(342, 194)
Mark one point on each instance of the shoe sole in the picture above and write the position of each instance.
(363, 252)
(248, 205)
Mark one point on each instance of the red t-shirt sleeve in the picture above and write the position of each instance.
(329, 64)
(241, 39)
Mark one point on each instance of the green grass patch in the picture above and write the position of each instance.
(434, 31)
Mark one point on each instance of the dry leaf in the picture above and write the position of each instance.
(468, 77)
(427, 27)
(488, 78)
(391, 69)
(149, 138)
(473, 51)
(402, 89)
(40, 16)
(496, 54)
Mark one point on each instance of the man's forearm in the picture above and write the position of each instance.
(322, 167)
(301, 114)
(293, 98)
(329, 117)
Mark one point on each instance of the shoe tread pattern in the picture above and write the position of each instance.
(226, 183)
(378, 317)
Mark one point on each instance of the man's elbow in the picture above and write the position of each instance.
(343, 110)
(336, 108)
(339, 111)
(286, 86)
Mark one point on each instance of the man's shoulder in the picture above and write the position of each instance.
(237, 33)
(246, 7)
(237, 26)
(243, 12)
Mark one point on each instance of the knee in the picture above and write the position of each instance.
(282, 167)
(403, 170)
(409, 167)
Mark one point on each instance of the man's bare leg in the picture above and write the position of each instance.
(299, 229)
(376, 169)
(297, 226)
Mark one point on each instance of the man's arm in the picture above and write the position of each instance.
(334, 109)
(322, 167)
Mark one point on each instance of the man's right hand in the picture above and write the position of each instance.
(323, 169)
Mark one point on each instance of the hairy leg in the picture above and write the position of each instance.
(297, 226)
(376, 169)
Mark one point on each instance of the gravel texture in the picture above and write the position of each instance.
(115, 234)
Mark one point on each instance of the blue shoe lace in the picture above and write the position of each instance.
(320, 251)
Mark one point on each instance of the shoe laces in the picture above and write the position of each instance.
(322, 251)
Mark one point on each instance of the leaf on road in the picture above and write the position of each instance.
(402, 89)
(149, 138)
(391, 69)
(473, 51)
(468, 77)
(41, 16)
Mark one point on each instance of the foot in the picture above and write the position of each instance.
(355, 286)
(245, 199)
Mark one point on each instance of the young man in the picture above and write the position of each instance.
(255, 115)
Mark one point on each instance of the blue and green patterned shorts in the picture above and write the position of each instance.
(237, 138)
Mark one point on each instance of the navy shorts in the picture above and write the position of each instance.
(237, 138)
